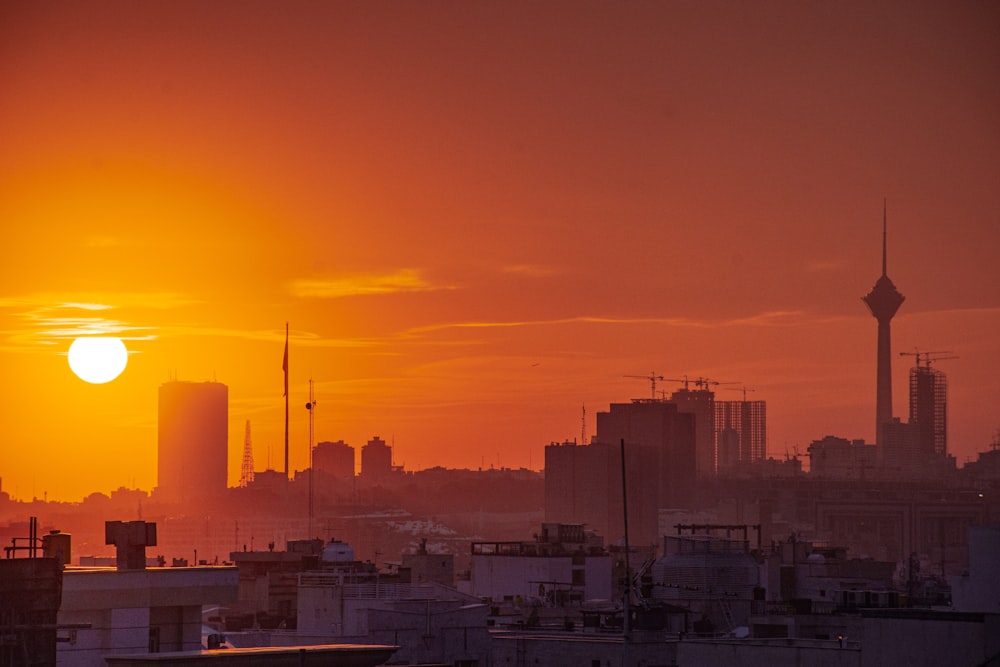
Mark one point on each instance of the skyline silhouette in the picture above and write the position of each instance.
(478, 219)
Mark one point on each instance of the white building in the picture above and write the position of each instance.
(430, 622)
(138, 611)
(564, 564)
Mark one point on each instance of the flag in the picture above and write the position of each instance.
(284, 362)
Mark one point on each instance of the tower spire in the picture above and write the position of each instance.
(884, 273)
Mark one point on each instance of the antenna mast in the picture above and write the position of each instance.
(311, 407)
(284, 367)
(246, 471)
(883, 238)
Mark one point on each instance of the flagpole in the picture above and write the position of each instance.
(285, 367)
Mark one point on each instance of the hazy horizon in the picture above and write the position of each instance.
(479, 218)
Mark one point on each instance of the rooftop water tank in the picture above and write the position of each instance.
(338, 552)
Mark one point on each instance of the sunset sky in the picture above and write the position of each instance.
(478, 217)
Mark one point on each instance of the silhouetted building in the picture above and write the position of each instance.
(929, 407)
(661, 437)
(840, 458)
(700, 402)
(376, 460)
(583, 484)
(919, 449)
(899, 451)
(192, 440)
(740, 428)
(883, 300)
(335, 459)
(30, 596)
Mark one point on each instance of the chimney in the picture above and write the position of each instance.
(130, 539)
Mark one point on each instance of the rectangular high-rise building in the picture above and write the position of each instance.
(583, 483)
(744, 424)
(192, 440)
(376, 460)
(929, 408)
(700, 403)
(334, 458)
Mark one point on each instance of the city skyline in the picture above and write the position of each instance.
(478, 219)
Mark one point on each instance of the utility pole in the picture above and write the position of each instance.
(311, 407)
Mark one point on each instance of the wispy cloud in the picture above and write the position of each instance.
(51, 317)
(778, 318)
(98, 300)
(404, 280)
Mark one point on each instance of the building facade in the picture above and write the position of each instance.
(376, 460)
(335, 459)
(192, 440)
(744, 424)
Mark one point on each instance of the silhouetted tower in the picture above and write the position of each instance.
(883, 300)
(246, 471)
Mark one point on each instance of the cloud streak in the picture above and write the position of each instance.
(777, 318)
(403, 280)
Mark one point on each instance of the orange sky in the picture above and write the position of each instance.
(480, 216)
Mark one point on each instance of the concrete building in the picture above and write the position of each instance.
(376, 460)
(192, 440)
(563, 565)
(430, 623)
(743, 423)
(132, 609)
(335, 459)
(30, 594)
(661, 468)
(929, 407)
(583, 483)
(840, 458)
(700, 402)
(424, 566)
(979, 589)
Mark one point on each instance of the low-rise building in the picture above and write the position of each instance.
(564, 564)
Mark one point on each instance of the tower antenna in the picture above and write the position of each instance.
(884, 273)
(311, 407)
(284, 367)
(246, 472)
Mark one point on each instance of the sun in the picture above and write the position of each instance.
(98, 359)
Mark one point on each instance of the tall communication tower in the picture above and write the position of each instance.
(883, 301)
(246, 471)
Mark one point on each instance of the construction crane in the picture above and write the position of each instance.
(685, 381)
(698, 382)
(652, 377)
(916, 354)
(744, 389)
(704, 383)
